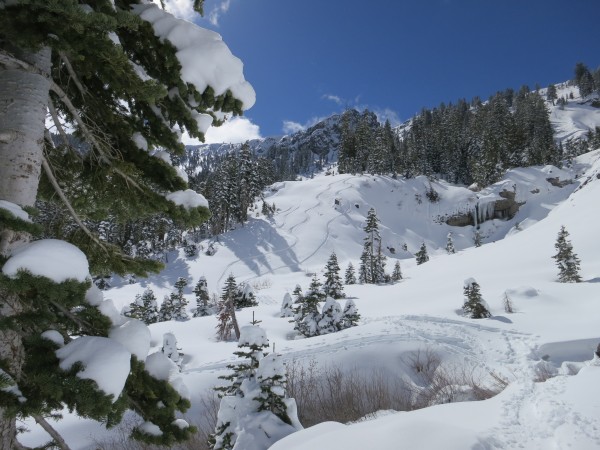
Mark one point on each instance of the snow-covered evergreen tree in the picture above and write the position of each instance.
(108, 71)
(477, 238)
(350, 275)
(331, 317)
(474, 305)
(567, 261)
(226, 318)
(297, 294)
(333, 283)
(173, 305)
(422, 256)
(397, 273)
(202, 298)
(144, 307)
(287, 306)
(254, 411)
(350, 315)
(450, 244)
(372, 260)
(170, 348)
(307, 314)
(245, 297)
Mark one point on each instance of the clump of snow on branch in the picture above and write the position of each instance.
(135, 336)
(105, 361)
(188, 199)
(251, 335)
(205, 59)
(150, 428)
(140, 141)
(12, 387)
(54, 336)
(94, 295)
(50, 258)
(15, 210)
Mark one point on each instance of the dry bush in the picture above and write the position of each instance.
(205, 424)
(264, 283)
(324, 394)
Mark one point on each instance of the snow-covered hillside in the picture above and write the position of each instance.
(553, 331)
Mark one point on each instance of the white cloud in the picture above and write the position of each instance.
(217, 11)
(387, 114)
(334, 98)
(234, 131)
(289, 127)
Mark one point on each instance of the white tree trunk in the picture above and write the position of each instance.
(23, 106)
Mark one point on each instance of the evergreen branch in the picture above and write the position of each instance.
(58, 439)
(65, 200)
(82, 323)
(72, 73)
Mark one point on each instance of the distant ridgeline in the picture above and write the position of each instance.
(466, 142)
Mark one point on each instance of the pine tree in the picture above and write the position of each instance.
(551, 94)
(567, 261)
(332, 286)
(145, 307)
(119, 85)
(331, 317)
(350, 275)
(254, 411)
(307, 314)
(477, 238)
(350, 315)
(397, 273)
(450, 244)
(287, 306)
(245, 297)
(473, 306)
(202, 298)
(422, 256)
(297, 293)
(226, 318)
(178, 300)
(372, 260)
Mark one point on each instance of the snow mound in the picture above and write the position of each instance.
(50, 258)
(134, 335)
(160, 366)
(105, 361)
(54, 336)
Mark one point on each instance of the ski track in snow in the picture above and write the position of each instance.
(291, 232)
(438, 333)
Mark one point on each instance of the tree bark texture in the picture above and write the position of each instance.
(23, 106)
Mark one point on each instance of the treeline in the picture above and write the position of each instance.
(462, 142)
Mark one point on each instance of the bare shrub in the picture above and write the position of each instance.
(324, 394)
(424, 363)
(206, 422)
(264, 283)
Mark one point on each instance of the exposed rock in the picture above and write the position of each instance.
(504, 209)
(558, 183)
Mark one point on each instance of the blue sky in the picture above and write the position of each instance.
(308, 59)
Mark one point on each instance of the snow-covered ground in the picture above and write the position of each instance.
(553, 323)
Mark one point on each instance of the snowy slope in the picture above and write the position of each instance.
(557, 322)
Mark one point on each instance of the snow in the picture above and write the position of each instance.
(160, 366)
(204, 57)
(15, 210)
(94, 295)
(555, 325)
(139, 140)
(12, 388)
(50, 258)
(150, 428)
(105, 361)
(54, 336)
(188, 199)
(181, 424)
(134, 335)
(253, 336)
